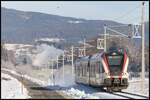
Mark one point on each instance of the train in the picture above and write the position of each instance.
(106, 70)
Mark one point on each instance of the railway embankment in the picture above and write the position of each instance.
(37, 91)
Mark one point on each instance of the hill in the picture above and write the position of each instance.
(26, 27)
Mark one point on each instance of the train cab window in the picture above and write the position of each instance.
(114, 60)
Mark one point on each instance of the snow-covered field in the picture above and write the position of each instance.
(11, 89)
(68, 85)
(79, 91)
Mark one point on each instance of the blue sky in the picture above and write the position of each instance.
(120, 11)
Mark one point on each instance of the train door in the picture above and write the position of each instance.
(102, 72)
(88, 72)
(97, 81)
(92, 73)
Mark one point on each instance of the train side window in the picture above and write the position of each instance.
(82, 69)
(100, 69)
(79, 69)
(88, 66)
(97, 70)
(75, 68)
(85, 68)
(94, 69)
(99, 65)
(91, 68)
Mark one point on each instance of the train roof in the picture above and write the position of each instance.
(114, 52)
(96, 56)
(83, 59)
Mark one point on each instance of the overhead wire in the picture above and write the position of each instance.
(127, 13)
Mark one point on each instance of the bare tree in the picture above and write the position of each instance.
(4, 54)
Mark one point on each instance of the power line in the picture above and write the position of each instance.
(127, 13)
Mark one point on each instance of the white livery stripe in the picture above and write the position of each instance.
(105, 67)
(126, 65)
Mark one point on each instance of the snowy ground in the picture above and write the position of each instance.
(85, 92)
(11, 89)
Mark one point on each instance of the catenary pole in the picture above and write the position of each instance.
(143, 56)
(72, 60)
(63, 67)
(104, 38)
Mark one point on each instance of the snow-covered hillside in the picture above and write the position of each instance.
(11, 89)
(49, 39)
(37, 55)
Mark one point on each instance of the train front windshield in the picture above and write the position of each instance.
(115, 63)
(114, 60)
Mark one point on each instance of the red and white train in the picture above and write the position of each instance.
(105, 70)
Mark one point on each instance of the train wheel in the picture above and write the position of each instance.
(108, 90)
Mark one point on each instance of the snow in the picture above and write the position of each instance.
(75, 22)
(11, 89)
(79, 91)
(49, 39)
(10, 46)
(135, 87)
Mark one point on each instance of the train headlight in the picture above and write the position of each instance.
(107, 75)
(125, 74)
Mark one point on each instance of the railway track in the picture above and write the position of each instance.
(121, 94)
(38, 92)
(128, 95)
